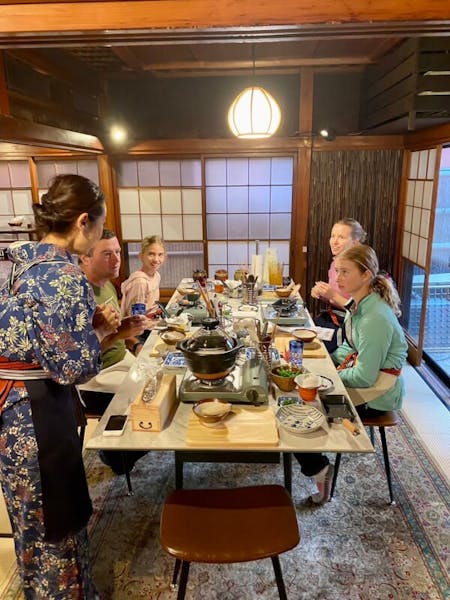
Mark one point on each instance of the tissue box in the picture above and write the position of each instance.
(154, 415)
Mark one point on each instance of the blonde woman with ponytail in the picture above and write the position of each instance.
(374, 352)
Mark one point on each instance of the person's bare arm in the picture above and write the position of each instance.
(323, 290)
(129, 329)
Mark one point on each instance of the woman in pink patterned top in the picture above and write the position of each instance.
(143, 285)
(344, 234)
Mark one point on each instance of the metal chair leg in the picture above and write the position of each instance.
(176, 570)
(279, 577)
(287, 468)
(127, 473)
(337, 464)
(372, 435)
(183, 580)
(387, 465)
(179, 464)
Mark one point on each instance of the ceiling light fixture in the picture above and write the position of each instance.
(254, 113)
(118, 134)
(328, 134)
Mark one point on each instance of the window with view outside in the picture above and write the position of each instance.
(416, 236)
(437, 324)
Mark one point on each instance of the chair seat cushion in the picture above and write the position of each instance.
(229, 525)
(386, 419)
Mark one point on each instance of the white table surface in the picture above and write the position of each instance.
(335, 439)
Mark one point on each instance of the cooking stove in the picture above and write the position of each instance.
(285, 312)
(247, 383)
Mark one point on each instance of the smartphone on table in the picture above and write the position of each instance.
(115, 425)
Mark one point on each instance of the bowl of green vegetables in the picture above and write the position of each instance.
(284, 376)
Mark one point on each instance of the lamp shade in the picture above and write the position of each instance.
(254, 114)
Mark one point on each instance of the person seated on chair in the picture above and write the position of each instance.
(119, 350)
(373, 354)
(101, 265)
(345, 234)
(374, 351)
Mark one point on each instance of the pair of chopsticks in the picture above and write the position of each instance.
(206, 299)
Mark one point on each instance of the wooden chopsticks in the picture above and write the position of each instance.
(205, 296)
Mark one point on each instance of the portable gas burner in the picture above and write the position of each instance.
(245, 384)
(285, 311)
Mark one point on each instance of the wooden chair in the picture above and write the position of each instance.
(386, 419)
(228, 526)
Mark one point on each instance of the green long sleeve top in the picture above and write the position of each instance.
(380, 342)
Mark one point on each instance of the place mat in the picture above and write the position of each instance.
(313, 350)
(248, 426)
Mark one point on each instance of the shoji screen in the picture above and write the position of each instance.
(247, 199)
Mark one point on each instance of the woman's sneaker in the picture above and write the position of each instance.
(323, 480)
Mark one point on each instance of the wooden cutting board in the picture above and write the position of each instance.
(248, 426)
(313, 350)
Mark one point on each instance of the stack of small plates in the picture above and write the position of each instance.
(299, 420)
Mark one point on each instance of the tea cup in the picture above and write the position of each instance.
(308, 385)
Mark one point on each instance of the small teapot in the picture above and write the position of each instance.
(200, 275)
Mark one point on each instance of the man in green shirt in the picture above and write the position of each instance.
(118, 349)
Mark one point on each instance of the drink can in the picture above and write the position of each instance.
(139, 308)
(296, 352)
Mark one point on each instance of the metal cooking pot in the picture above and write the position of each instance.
(211, 352)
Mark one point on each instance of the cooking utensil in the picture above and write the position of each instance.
(211, 353)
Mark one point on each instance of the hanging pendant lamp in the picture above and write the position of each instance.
(254, 113)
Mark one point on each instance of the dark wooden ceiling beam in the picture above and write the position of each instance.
(135, 14)
(24, 132)
(109, 19)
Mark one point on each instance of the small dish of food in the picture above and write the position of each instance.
(283, 292)
(212, 411)
(305, 335)
(171, 337)
(284, 376)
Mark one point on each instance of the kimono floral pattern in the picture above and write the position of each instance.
(45, 320)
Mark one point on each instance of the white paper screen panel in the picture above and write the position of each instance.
(15, 194)
(419, 194)
(166, 197)
(247, 199)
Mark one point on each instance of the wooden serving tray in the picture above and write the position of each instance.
(248, 426)
(313, 350)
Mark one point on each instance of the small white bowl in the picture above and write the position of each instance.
(211, 411)
(304, 335)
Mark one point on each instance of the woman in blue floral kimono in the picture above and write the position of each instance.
(50, 334)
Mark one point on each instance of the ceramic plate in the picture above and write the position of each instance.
(111, 378)
(300, 419)
(174, 360)
(326, 384)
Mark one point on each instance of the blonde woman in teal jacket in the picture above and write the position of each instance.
(371, 358)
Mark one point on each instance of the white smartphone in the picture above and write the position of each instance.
(115, 425)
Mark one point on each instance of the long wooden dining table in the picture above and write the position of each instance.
(331, 438)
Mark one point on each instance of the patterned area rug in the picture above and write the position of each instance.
(356, 547)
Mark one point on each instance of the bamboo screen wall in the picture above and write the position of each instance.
(363, 185)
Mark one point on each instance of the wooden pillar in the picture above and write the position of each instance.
(4, 98)
(107, 185)
(302, 180)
